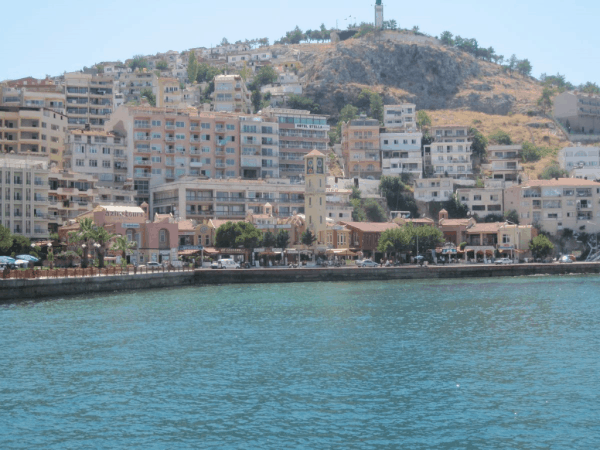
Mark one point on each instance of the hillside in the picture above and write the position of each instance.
(405, 67)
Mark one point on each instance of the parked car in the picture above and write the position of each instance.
(566, 259)
(366, 263)
(153, 264)
(226, 263)
(501, 261)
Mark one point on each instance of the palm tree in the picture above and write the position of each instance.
(83, 236)
(101, 237)
(122, 245)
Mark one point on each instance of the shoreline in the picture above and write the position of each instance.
(32, 289)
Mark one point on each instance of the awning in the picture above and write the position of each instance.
(340, 252)
(211, 251)
(189, 252)
(483, 249)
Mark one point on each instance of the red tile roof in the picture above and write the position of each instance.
(371, 227)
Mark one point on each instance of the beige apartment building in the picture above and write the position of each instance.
(504, 162)
(578, 112)
(450, 152)
(231, 95)
(558, 204)
(164, 144)
(361, 148)
(169, 93)
(131, 84)
(24, 195)
(98, 153)
(401, 117)
(300, 132)
(49, 96)
(203, 199)
(35, 131)
(90, 99)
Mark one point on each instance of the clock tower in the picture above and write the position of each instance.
(315, 208)
(378, 15)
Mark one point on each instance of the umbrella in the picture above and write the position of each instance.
(7, 260)
(28, 258)
(419, 257)
(20, 262)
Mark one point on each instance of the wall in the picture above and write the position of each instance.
(13, 290)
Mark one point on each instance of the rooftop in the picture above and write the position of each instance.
(371, 227)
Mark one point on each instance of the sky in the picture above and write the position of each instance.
(45, 37)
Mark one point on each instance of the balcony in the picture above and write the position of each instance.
(143, 163)
(195, 164)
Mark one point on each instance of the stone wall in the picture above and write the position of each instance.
(12, 290)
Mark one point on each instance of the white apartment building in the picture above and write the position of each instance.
(338, 204)
(98, 153)
(24, 195)
(581, 162)
(400, 117)
(36, 131)
(203, 199)
(483, 201)
(434, 189)
(450, 153)
(504, 162)
(90, 99)
(401, 154)
(231, 95)
(555, 205)
(259, 138)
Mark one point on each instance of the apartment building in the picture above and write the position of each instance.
(203, 199)
(98, 153)
(581, 162)
(49, 96)
(401, 153)
(558, 204)
(400, 117)
(578, 112)
(483, 201)
(338, 204)
(131, 84)
(259, 147)
(361, 148)
(450, 152)
(24, 195)
(504, 162)
(434, 189)
(231, 95)
(169, 93)
(300, 132)
(164, 144)
(36, 131)
(90, 99)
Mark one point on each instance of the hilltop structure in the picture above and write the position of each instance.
(378, 15)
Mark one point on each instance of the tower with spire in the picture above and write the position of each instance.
(378, 15)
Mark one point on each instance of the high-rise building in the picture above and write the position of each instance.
(231, 95)
(259, 147)
(361, 148)
(90, 99)
(24, 195)
(300, 132)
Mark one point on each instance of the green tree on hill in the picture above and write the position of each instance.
(138, 62)
(479, 143)
(545, 101)
(192, 68)
(501, 137)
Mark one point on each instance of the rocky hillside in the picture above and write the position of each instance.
(403, 68)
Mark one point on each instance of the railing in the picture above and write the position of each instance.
(89, 272)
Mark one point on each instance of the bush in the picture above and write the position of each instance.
(501, 137)
(553, 171)
(530, 153)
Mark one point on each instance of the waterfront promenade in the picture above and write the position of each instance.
(29, 289)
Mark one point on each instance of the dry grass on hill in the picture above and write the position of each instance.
(515, 125)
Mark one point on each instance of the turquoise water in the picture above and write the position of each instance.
(503, 363)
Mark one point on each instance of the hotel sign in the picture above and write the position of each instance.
(130, 225)
(190, 247)
(305, 126)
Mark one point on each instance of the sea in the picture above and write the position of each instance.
(469, 364)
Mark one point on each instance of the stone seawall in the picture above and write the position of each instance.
(11, 290)
(61, 287)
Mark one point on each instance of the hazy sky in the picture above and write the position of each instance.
(45, 37)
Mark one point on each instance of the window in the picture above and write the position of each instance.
(205, 126)
(105, 151)
(477, 198)
(506, 239)
(156, 123)
(156, 159)
(79, 162)
(163, 236)
(156, 135)
(106, 164)
(156, 148)
(180, 137)
(156, 171)
(93, 150)
(230, 127)
(205, 149)
(93, 163)
(180, 124)
(230, 150)
(230, 162)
